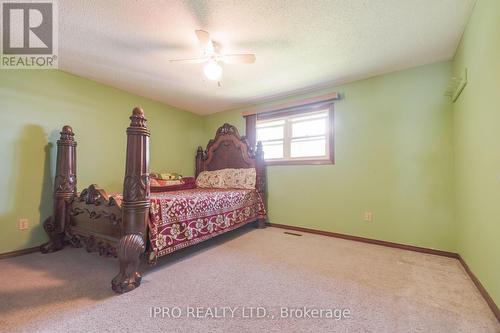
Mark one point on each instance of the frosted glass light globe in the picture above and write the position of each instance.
(212, 71)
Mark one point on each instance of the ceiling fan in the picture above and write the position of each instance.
(212, 56)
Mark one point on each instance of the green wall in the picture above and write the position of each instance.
(477, 146)
(35, 104)
(427, 168)
(394, 157)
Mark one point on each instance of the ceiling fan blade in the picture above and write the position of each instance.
(191, 60)
(239, 58)
(205, 41)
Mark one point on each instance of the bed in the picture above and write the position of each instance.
(140, 223)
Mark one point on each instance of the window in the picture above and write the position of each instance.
(298, 136)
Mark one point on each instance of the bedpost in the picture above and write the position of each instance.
(64, 189)
(135, 205)
(199, 163)
(261, 179)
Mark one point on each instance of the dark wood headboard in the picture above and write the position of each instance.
(230, 150)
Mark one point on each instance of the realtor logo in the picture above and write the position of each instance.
(29, 38)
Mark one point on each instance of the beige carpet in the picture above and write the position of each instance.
(385, 290)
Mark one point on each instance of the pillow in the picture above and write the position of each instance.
(209, 179)
(227, 178)
(160, 182)
(158, 185)
(165, 176)
(238, 178)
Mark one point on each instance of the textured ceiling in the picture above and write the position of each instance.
(300, 45)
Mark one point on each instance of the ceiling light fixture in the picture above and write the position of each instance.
(212, 56)
(212, 70)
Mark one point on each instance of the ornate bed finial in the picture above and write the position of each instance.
(67, 130)
(259, 153)
(199, 161)
(67, 133)
(137, 118)
(137, 111)
(228, 129)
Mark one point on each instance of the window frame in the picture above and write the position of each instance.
(298, 111)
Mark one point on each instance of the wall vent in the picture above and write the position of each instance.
(291, 233)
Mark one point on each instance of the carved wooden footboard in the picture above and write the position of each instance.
(109, 225)
(95, 221)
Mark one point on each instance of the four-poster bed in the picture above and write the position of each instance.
(138, 221)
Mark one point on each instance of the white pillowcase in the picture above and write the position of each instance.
(227, 178)
(209, 179)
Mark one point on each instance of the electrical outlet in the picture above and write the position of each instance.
(368, 216)
(23, 224)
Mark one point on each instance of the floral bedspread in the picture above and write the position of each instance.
(182, 218)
